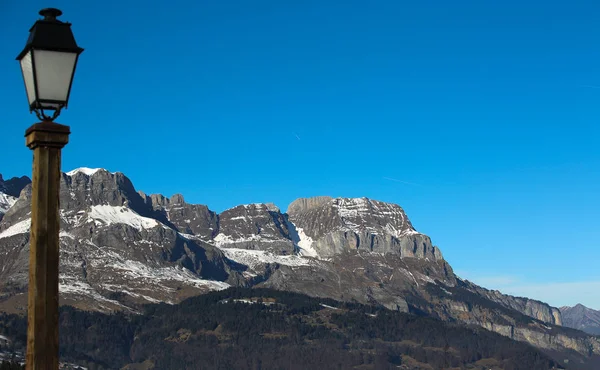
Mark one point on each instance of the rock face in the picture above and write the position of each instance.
(255, 227)
(187, 218)
(6, 202)
(336, 226)
(121, 248)
(9, 192)
(14, 185)
(581, 318)
(114, 254)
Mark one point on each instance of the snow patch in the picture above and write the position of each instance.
(121, 289)
(108, 215)
(426, 278)
(302, 242)
(68, 285)
(6, 202)
(255, 259)
(138, 270)
(16, 229)
(389, 218)
(305, 244)
(327, 306)
(222, 240)
(64, 234)
(445, 291)
(250, 301)
(86, 171)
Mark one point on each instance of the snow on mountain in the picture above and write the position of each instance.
(21, 227)
(6, 201)
(343, 248)
(305, 243)
(222, 240)
(104, 215)
(302, 242)
(358, 214)
(255, 259)
(84, 170)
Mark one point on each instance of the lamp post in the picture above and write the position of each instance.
(48, 64)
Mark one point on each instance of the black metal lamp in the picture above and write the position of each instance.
(48, 64)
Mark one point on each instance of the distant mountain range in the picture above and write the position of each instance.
(581, 318)
(122, 248)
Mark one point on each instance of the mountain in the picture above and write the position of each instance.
(121, 248)
(242, 328)
(14, 185)
(582, 318)
(10, 191)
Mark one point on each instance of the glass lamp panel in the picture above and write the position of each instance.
(53, 72)
(27, 69)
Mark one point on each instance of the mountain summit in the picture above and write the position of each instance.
(582, 318)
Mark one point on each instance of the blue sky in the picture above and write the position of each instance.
(479, 118)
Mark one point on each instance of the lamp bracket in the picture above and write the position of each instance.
(43, 117)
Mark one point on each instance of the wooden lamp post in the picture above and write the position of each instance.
(48, 64)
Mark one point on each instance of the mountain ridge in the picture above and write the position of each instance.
(582, 318)
(121, 248)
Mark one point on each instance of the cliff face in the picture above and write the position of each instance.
(463, 303)
(334, 226)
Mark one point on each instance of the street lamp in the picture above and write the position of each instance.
(48, 64)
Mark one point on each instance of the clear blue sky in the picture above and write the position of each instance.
(480, 118)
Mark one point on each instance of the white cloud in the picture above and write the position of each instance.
(556, 294)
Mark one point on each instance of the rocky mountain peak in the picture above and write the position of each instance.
(6, 202)
(582, 318)
(13, 186)
(337, 225)
(301, 205)
(177, 199)
(86, 187)
(351, 214)
(10, 191)
(255, 226)
(85, 171)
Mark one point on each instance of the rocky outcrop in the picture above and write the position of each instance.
(9, 192)
(195, 219)
(14, 185)
(306, 204)
(581, 318)
(255, 227)
(336, 226)
(6, 202)
(113, 253)
(86, 187)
